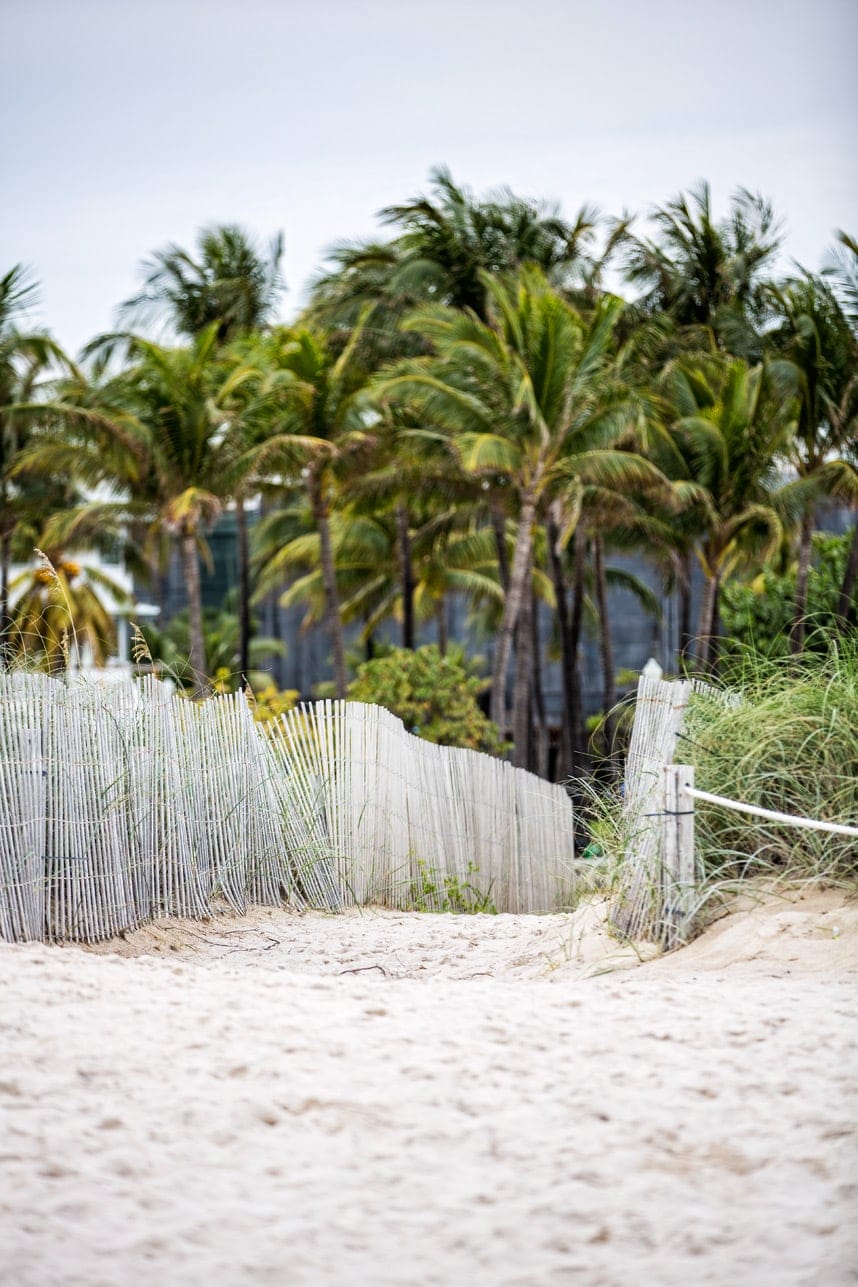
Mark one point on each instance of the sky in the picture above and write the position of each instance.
(130, 124)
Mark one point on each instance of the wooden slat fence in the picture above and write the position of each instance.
(123, 804)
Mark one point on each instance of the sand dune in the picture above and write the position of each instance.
(387, 1098)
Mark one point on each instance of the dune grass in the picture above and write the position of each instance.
(790, 744)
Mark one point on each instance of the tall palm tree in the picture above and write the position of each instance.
(28, 362)
(160, 441)
(705, 272)
(818, 366)
(733, 429)
(231, 282)
(437, 516)
(321, 428)
(530, 397)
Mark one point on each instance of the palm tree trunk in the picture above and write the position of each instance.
(706, 622)
(244, 627)
(321, 517)
(539, 761)
(5, 561)
(682, 565)
(499, 529)
(609, 683)
(519, 583)
(847, 589)
(579, 739)
(567, 652)
(443, 634)
(406, 576)
(522, 685)
(191, 570)
(717, 642)
(805, 549)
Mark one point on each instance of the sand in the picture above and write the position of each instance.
(384, 1098)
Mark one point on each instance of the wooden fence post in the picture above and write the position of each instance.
(678, 869)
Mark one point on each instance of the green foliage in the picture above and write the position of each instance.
(60, 617)
(271, 702)
(435, 891)
(170, 650)
(433, 695)
(757, 614)
(522, 406)
(233, 282)
(789, 745)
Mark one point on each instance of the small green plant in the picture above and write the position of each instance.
(435, 891)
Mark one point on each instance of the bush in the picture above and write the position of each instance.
(757, 614)
(433, 695)
(271, 702)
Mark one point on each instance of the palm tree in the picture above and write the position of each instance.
(707, 273)
(733, 430)
(449, 240)
(619, 519)
(28, 359)
(159, 439)
(842, 272)
(59, 612)
(437, 518)
(817, 367)
(444, 242)
(529, 397)
(232, 283)
(321, 425)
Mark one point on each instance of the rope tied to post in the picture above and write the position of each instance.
(771, 815)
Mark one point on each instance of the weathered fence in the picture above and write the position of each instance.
(119, 805)
(658, 878)
(646, 901)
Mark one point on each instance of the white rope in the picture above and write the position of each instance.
(770, 814)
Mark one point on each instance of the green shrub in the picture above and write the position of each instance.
(433, 695)
(757, 614)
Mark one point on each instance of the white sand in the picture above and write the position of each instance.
(383, 1098)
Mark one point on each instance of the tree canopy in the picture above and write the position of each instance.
(462, 415)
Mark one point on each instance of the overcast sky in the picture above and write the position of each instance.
(128, 124)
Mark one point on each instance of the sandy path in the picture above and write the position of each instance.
(481, 1106)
